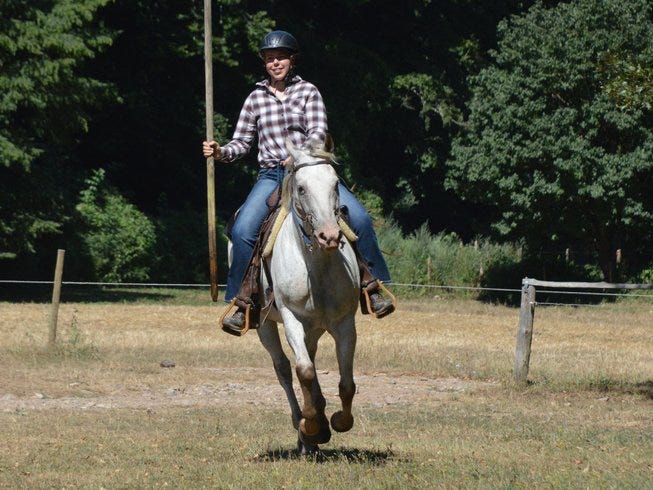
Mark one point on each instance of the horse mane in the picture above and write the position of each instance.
(286, 194)
(322, 153)
(312, 151)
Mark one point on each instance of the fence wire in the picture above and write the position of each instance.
(398, 284)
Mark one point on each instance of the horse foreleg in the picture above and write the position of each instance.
(305, 370)
(268, 333)
(308, 444)
(345, 337)
(306, 374)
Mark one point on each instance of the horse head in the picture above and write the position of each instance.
(314, 197)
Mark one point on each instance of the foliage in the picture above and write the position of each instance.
(646, 275)
(562, 161)
(442, 259)
(120, 84)
(45, 105)
(119, 238)
(182, 248)
(628, 79)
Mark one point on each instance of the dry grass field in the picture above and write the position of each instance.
(435, 408)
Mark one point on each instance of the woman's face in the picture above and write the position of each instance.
(277, 63)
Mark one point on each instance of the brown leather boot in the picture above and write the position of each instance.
(381, 306)
(235, 324)
(372, 301)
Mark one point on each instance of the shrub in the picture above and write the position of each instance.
(118, 238)
(442, 260)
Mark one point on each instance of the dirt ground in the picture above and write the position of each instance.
(253, 386)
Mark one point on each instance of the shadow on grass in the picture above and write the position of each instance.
(605, 385)
(610, 386)
(353, 456)
(42, 293)
(645, 389)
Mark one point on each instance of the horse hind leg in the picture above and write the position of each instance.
(343, 420)
(269, 337)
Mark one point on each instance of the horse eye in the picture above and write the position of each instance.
(301, 190)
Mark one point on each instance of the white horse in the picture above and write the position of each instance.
(316, 286)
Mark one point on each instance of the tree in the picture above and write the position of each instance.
(551, 145)
(45, 105)
(119, 239)
(393, 85)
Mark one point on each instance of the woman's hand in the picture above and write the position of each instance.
(211, 149)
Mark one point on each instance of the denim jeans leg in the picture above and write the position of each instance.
(246, 228)
(361, 223)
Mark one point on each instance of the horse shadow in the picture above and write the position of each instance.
(607, 386)
(644, 389)
(351, 456)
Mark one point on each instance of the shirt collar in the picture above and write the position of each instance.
(266, 83)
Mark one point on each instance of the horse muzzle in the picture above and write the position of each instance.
(329, 237)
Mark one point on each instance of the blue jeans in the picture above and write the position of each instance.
(252, 213)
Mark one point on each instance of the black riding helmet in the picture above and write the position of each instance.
(279, 40)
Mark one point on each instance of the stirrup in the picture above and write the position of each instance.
(368, 302)
(232, 304)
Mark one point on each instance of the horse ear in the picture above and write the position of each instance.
(329, 145)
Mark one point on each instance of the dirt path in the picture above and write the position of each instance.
(257, 387)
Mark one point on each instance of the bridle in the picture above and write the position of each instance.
(303, 219)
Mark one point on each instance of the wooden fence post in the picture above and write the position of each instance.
(524, 332)
(56, 295)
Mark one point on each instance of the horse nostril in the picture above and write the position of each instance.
(328, 239)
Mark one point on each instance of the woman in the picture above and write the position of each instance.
(284, 106)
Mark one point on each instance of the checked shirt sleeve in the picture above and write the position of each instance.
(316, 117)
(244, 134)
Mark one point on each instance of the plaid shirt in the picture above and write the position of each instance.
(301, 116)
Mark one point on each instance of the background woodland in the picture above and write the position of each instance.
(498, 139)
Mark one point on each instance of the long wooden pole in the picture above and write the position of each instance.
(56, 296)
(210, 164)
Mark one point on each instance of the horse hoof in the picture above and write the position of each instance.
(324, 434)
(309, 427)
(306, 449)
(341, 423)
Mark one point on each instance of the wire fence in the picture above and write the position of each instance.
(395, 284)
